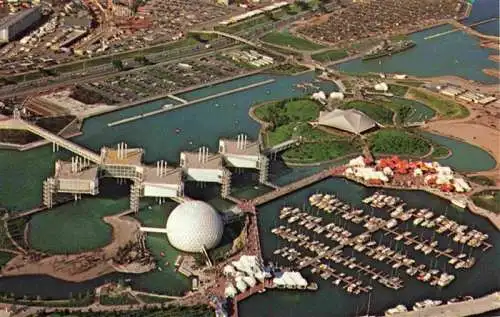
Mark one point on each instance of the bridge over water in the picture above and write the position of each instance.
(19, 124)
(460, 27)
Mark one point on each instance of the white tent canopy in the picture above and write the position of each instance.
(348, 120)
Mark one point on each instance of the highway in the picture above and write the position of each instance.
(98, 72)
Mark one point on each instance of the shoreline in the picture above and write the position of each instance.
(484, 304)
(491, 216)
(67, 267)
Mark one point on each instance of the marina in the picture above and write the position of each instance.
(319, 245)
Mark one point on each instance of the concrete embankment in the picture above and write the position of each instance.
(477, 306)
(177, 92)
(155, 112)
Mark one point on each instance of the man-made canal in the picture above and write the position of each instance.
(456, 53)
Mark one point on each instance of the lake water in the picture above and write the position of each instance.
(456, 54)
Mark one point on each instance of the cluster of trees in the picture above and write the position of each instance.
(170, 311)
(392, 141)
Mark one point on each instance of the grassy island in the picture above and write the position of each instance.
(289, 119)
(393, 141)
(489, 200)
(445, 108)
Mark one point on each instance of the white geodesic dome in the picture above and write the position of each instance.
(193, 225)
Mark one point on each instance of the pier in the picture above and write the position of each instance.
(285, 190)
(174, 97)
(162, 110)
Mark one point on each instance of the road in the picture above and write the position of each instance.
(11, 92)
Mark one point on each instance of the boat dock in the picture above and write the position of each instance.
(300, 222)
(162, 110)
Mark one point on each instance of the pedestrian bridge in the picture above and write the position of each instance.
(231, 36)
(20, 124)
(281, 146)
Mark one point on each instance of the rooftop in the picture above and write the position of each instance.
(170, 175)
(213, 161)
(9, 19)
(131, 156)
(63, 171)
(232, 147)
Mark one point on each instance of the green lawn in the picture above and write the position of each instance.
(398, 90)
(329, 56)
(75, 227)
(392, 141)
(482, 180)
(440, 152)
(290, 119)
(288, 111)
(318, 152)
(489, 200)
(446, 108)
(117, 300)
(288, 40)
(5, 257)
(373, 110)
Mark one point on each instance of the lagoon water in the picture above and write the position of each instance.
(203, 124)
(456, 54)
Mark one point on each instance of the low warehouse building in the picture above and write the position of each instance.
(14, 25)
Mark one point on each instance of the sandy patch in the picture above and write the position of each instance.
(82, 266)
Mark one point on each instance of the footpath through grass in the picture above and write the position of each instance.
(447, 109)
(288, 40)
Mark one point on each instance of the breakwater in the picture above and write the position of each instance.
(162, 110)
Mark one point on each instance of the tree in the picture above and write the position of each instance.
(142, 59)
(118, 64)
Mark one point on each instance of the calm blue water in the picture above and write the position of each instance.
(201, 124)
(464, 155)
(456, 54)
(482, 10)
